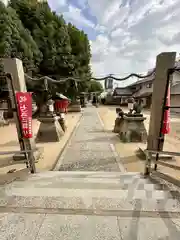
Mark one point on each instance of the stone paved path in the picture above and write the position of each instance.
(90, 148)
(78, 205)
(101, 203)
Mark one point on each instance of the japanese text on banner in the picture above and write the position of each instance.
(24, 102)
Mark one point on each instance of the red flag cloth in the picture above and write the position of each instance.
(166, 121)
(24, 103)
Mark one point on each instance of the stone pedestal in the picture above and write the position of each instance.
(118, 124)
(133, 129)
(74, 107)
(49, 130)
(119, 120)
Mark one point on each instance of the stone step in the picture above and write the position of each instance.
(90, 191)
(130, 193)
(125, 184)
(98, 202)
(97, 181)
(83, 174)
(83, 180)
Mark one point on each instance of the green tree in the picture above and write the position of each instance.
(65, 50)
(16, 41)
(51, 35)
(95, 86)
(81, 52)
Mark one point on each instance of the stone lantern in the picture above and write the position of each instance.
(50, 129)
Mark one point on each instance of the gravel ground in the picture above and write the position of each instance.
(90, 148)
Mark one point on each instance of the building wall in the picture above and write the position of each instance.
(175, 101)
(145, 88)
(175, 92)
(176, 78)
(175, 89)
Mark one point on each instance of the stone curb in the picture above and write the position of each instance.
(65, 145)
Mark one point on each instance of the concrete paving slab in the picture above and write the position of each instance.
(19, 226)
(88, 145)
(89, 148)
(79, 227)
(100, 204)
(149, 228)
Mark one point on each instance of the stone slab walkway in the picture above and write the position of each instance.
(94, 200)
(90, 148)
(78, 205)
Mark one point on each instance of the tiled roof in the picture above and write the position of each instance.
(122, 91)
(151, 78)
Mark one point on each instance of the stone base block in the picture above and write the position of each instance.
(118, 125)
(133, 130)
(74, 108)
(49, 130)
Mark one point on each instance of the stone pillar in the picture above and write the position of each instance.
(164, 61)
(14, 67)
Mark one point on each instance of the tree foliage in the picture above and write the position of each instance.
(29, 30)
(16, 40)
(95, 86)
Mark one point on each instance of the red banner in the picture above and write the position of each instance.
(166, 122)
(24, 102)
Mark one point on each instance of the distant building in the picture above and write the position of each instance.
(120, 95)
(142, 89)
(175, 96)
